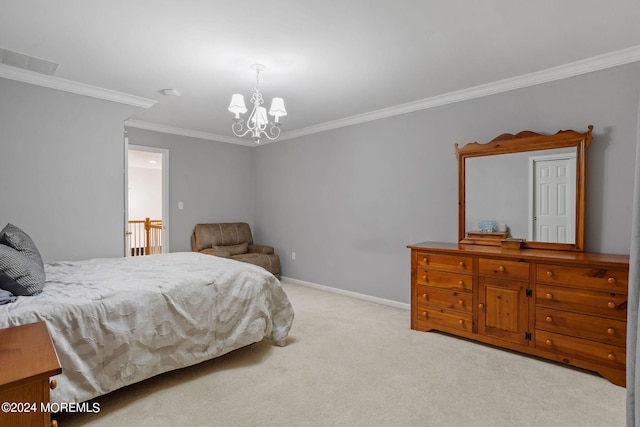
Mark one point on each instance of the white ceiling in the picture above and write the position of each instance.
(144, 159)
(333, 61)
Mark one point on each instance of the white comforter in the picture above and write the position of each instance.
(117, 321)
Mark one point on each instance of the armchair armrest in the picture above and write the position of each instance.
(261, 249)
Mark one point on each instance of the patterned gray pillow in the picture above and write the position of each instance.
(8, 283)
(17, 239)
(29, 276)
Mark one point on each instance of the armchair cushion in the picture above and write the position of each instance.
(216, 252)
(241, 248)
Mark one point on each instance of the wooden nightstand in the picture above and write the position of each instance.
(27, 361)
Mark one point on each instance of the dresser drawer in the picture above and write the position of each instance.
(445, 280)
(603, 354)
(583, 301)
(590, 327)
(445, 262)
(459, 301)
(502, 268)
(600, 279)
(445, 318)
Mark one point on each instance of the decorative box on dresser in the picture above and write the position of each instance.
(27, 361)
(569, 307)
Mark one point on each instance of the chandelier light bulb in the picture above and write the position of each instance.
(237, 105)
(260, 118)
(277, 109)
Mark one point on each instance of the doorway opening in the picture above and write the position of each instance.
(146, 201)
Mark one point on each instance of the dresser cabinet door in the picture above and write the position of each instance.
(503, 309)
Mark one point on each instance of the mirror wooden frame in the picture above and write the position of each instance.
(521, 142)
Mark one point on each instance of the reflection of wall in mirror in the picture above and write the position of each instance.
(497, 188)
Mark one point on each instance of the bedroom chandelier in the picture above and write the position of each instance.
(258, 122)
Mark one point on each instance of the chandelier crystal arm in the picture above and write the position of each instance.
(272, 133)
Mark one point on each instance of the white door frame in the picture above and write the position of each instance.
(165, 189)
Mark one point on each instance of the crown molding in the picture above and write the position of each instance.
(157, 127)
(585, 66)
(52, 82)
(589, 65)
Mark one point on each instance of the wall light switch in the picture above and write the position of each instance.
(180, 205)
(293, 256)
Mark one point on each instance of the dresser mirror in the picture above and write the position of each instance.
(526, 189)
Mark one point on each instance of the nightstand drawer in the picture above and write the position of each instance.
(445, 262)
(583, 301)
(459, 301)
(600, 279)
(590, 327)
(502, 268)
(445, 280)
(579, 348)
(445, 318)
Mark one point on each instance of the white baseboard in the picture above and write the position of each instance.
(369, 298)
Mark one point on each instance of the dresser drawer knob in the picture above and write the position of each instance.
(549, 273)
(480, 306)
(501, 269)
(461, 322)
(549, 342)
(425, 296)
(611, 331)
(53, 384)
(425, 260)
(549, 296)
(549, 319)
(611, 280)
(461, 264)
(611, 304)
(425, 278)
(460, 302)
(425, 314)
(611, 356)
(461, 283)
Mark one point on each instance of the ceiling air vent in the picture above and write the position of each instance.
(26, 62)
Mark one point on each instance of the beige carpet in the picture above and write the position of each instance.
(350, 362)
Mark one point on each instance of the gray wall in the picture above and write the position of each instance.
(214, 180)
(348, 201)
(61, 170)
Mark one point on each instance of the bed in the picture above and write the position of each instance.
(118, 321)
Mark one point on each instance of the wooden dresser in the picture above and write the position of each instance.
(27, 361)
(570, 307)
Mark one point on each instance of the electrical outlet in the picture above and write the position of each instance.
(293, 256)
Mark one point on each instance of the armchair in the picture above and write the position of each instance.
(234, 240)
